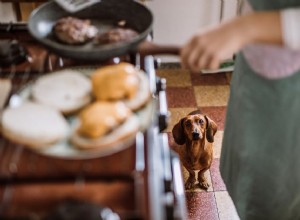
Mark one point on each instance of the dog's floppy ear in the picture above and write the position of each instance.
(211, 129)
(178, 132)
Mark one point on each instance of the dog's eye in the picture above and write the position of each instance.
(201, 121)
(188, 123)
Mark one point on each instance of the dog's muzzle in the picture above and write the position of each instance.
(195, 135)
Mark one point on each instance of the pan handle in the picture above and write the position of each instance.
(150, 48)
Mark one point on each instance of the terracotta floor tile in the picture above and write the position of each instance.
(185, 92)
(217, 181)
(217, 114)
(178, 97)
(201, 206)
(211, 95)
(225, 206)
(209, 79)
(175, 77)
(218, 144)
(176, 114)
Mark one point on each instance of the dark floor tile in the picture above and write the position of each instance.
(181, 97)
(217, 181)
(170, 65)
(209, 79)
(201, 205)
(217, 114)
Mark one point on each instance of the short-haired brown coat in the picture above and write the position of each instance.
(196, 133)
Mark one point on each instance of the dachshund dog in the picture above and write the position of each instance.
(196, 133)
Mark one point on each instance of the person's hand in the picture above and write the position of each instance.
(206, 50)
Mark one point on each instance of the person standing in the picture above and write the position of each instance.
(261, 145)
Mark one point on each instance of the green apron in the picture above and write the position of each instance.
(260, 160)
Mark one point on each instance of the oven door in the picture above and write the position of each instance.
(165, 183)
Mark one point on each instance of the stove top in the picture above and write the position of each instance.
(140, 182)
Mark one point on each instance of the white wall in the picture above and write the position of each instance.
(176, 20)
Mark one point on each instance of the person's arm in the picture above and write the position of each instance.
(207, 49)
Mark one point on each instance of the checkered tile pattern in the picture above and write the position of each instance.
(209, 92)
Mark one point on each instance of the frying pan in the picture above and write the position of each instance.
(104, 15)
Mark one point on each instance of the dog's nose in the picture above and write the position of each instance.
(195, 135)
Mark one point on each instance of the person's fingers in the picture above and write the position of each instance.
(191, 52)
(213, 63)
(208, 59)
(197, 54)
(185, 53)
(193, 59)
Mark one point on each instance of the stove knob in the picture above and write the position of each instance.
(161, 84)
(157, 63)
(163, 118)
(163, 121)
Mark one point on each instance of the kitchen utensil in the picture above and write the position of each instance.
(75, 5)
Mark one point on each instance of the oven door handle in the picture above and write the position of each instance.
(180, 210)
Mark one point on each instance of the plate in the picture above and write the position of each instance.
(64, 149)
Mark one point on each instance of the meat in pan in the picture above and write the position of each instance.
(116, 35)
(71, 30)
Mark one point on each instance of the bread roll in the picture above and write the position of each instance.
(100, 118)
(66, 90)
(142, 95)
(34, 125)
(121, 82)
(115, 82)
(115, 139)
(104, 124)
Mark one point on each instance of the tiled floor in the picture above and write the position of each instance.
(185, 93)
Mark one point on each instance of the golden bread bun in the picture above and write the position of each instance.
(115, 82)
(121, 136)
(99, 118)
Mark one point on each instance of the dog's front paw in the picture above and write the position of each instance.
(189, 184)
(204, 185)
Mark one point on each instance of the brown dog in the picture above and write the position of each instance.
(196, 133)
